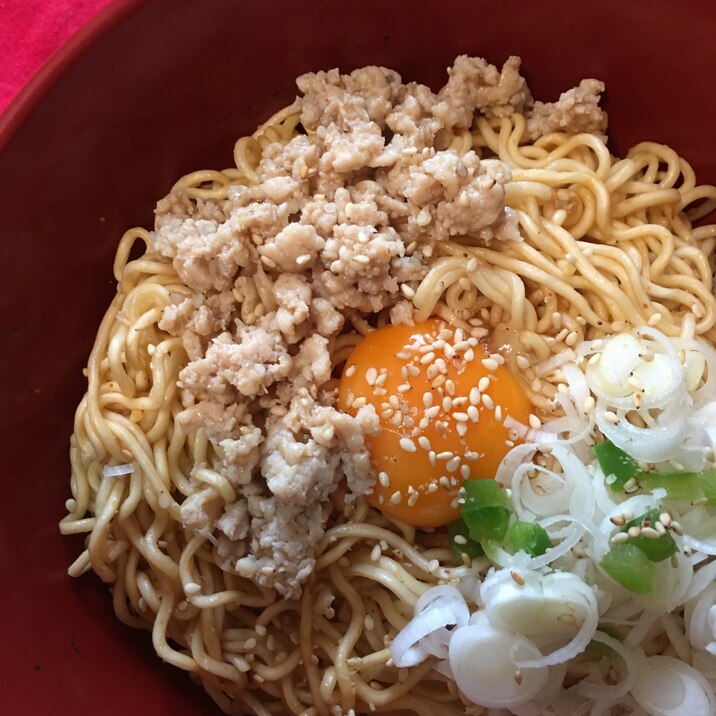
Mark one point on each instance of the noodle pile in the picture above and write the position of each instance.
(608, 244)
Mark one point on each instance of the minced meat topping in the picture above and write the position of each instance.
(342, 217)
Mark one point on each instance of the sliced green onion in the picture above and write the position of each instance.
(458, 528)
(488, 523)
(528, 537)
(617, 466)
(628, 565)
(683, 486)
(484, 493)
(656, 549)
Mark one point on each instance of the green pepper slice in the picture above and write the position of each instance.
(615, 462)
(628, 565)
(658, 549)
(528, 537)
(484, 493)
(470, 547)
(683, 486)
(488, 523)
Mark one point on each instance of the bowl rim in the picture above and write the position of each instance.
(59, 62)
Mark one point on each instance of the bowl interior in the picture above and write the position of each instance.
(154, 89)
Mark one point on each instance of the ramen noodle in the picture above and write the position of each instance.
(394, 292)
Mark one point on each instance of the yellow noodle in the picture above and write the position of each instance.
(605, 241)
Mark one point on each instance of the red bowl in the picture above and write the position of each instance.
(150, 90)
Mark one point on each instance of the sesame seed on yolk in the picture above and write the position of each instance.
(441, 399)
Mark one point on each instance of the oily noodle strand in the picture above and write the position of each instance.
(607, 244)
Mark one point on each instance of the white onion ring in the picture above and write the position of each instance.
(484, 661)
(436, 608)
(668, 687)
(606, 691)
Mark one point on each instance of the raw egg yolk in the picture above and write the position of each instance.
(442, 401)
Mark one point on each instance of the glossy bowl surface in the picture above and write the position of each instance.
(152, 89)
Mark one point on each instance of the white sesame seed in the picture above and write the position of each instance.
(654, 319)
(444, 482)
(370, 375)
(376, 553)
(450, 387)
(535, 422)
(469, 355)
(403, 355)
(571, 338)
(427, 358)
(460, 539)
(490, 363)
(432, 457)
(631, 485)
(361, 259)
(611, 417)
(269, 262)
(446, 455)
(665, 519)
(442, 366)
(474, 396)
(395, 498)
(427, 398)
(619, 538)
(394, 401)
(460, 417)
(593, 360)
(635, 383)
(413, 370)
(557, 320)
(424, 442)
(483, 384)
(488, 402)
(359, 402)
(498, 413)
(432, 371)
(448, 350)
(350, 370)
(589, 404)
(452, 464)
(459, 402)
(407, 444)
(432, 412)
(473, 413)
(461, 429)
(447, 403)
(465, 472)
(404, 387)
(522, 362)
(397, 419)
(561, 335)
(303, 259)
(406, 290)
(413, 498)
(432, 487)
(634, 531)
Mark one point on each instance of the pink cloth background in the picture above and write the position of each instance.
(30, 32)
